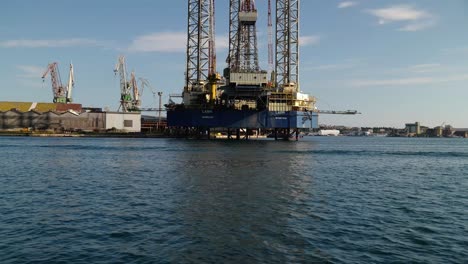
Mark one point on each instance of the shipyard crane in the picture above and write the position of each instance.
(126, 100)
(136, 102)
(61, 93)
(145, 83)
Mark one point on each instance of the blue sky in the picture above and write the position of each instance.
(394, 61)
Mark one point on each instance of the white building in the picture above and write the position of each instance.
(329, 132)
(125, 121)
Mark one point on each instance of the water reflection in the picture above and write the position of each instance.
(241, 201)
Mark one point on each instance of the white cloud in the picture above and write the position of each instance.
(415, 19)
(309, 40)
(222, 42)
(330, 67)
(168, 42)
(30, 71)
(409, 81)
(160, 42)
(347, 4)
(424, 68)
(50, 43)
(418, 25)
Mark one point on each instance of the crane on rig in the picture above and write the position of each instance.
(61, 93)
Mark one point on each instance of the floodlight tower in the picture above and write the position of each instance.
(287, 45)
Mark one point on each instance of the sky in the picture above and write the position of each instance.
(396, 62)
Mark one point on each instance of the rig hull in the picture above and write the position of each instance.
(230, 118)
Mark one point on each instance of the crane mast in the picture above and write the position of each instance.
(71, 83)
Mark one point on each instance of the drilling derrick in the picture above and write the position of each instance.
(247, 52)
(200, 53)
(246, 82)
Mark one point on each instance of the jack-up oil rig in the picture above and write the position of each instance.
(245, 97)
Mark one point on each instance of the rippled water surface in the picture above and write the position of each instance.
(319, 200)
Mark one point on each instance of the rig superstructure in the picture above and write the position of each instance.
(245, 97)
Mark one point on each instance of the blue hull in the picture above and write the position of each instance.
(241, 119)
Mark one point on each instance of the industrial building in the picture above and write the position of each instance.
(64, 117)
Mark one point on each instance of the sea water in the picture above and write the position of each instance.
(318, 200)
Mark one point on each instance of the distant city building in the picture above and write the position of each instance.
(413, 129)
